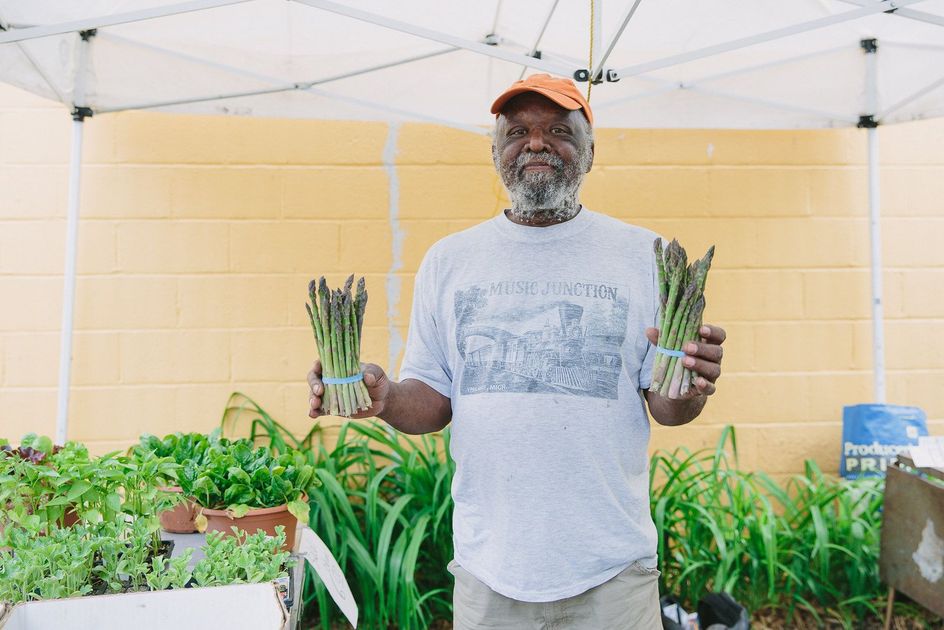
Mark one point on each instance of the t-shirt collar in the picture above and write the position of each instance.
(535, 234)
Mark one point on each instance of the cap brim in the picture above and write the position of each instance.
(564, 101)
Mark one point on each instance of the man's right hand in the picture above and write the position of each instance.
(378, 387)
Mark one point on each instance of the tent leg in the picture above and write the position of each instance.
(875, 234)
(68, 292)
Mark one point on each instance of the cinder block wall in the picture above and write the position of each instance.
(199, 236)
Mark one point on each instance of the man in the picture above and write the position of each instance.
(526, 334)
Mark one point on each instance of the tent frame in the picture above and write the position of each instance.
(488, 47)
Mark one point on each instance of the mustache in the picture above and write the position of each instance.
(544, 156)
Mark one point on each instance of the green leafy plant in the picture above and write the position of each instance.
(166, 574)
(71, 561)
(242, 558)
(236, 476)
(808, 546)
(811, 543)
(81, 483)
(32, 447)
(41, 490)
(179, 447)
(384, 510)
(114, 558)
(144, 479)
(40, 567)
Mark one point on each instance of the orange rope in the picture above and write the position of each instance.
(590, 65)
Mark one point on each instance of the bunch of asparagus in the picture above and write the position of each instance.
(337, 319)
(682, 302)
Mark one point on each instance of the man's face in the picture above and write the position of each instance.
(542, 151)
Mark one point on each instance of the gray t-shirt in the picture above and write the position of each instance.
(537, 335)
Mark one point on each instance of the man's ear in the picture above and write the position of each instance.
(590, 164)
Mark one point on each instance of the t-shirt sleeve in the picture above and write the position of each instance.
(645, 372)
(425, 355)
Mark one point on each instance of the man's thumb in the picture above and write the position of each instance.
(652, 334)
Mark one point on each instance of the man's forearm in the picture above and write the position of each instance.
(414, 407)
(674, 413)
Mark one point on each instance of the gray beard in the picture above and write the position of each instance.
(543, 197)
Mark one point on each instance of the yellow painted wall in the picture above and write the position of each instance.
(199, 236)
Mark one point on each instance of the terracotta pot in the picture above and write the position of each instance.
(70, 518)
(179, 519)
(263, 518)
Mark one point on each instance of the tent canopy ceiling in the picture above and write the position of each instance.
(680, 63)
(754, 64)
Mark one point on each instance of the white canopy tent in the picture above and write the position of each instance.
(748, 64)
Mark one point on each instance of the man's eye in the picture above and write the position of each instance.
(516, 132)
(558, 130)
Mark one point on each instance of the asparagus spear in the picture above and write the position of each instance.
(349, 368)
(339, 351)
(330, 401)
(671, 340)
(675, 260)
(673, 385)
(691, 332)
(688, 377)
(360, 390)
(360, 303)
(663, 286)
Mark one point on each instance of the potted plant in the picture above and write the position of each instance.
(247, 487)
(180, 448)
(32, 490)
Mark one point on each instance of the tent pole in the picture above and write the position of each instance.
(68, 292)
(483, 48)
(878, 7)
(870, 123)
(90, 24)
(875, 234)
(598, 65)
(79, 114)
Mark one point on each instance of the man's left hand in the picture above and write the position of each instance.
(702, 357)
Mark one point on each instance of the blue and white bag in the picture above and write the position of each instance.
(873, 435)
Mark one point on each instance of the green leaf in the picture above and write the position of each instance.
(239, 493)
(43, 444)
(305, 475)
(77, 490)
(113, 501)
(240, 510)
(300, 509)
(238, 475)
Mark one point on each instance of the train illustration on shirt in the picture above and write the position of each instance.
(533, 341)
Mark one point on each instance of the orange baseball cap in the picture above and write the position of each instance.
(561, 91)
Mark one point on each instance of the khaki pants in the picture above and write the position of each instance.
(628, 601)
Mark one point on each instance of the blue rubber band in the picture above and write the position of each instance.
(327, 380)
(671, 353)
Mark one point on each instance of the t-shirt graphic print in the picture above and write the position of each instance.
(524, 335)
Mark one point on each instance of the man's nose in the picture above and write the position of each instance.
(536, 141)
